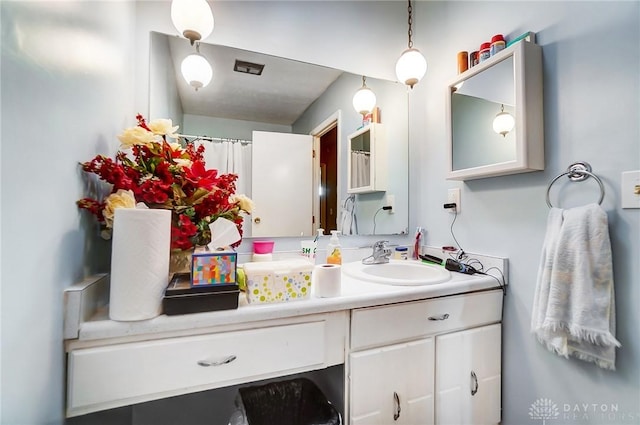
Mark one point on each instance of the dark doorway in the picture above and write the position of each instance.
(329, 180)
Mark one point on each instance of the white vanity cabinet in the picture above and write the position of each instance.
(412, 363)
(108, 374)
(468, 376)
(367, 160)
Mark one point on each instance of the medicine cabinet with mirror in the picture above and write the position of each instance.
(290, 102)
(510, 82)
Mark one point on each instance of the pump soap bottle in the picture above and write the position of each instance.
(334, 251)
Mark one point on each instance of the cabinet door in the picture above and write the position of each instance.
(468, 377)
(393, 384)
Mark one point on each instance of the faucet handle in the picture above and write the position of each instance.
(380, 244)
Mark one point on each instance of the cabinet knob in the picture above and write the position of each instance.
(474, 383)
(207, 363)
(396, 400)
(440, 317)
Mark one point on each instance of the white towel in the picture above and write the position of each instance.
(573, 307)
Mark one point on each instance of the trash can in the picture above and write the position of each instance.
(294, 402)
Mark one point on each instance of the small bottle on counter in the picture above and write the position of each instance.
(402, 253)
(474, 58)
(497, 44)
(334, 250)
(463, 62)
(485, 52)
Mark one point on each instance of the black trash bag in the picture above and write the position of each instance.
(294, 402)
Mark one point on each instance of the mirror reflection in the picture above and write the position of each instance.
(475, 106)
(495, 116)
(266, 128)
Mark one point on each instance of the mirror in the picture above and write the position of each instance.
(508, 84)
(294, 98)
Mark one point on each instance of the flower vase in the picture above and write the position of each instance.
(180, 261)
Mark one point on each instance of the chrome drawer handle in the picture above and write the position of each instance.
(396, 400)
(440, 317)
(207, 363)
(474, 383)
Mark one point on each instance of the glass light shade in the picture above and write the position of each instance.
(192, 18)
(411, 67)
(364, 100)
(196, 71)
(503, 123)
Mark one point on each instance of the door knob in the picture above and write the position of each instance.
(256, 220)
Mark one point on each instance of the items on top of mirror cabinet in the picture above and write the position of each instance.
(508, 84)
(367, 169)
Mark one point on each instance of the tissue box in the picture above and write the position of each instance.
(182, 298)
(213, 267)
(278, 281)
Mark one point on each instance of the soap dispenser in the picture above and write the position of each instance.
(334, 251)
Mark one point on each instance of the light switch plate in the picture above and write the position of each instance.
(630, 189)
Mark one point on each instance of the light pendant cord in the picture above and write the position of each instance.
(410, 22)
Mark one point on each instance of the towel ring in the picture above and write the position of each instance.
(577, 172)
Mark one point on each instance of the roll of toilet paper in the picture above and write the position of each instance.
(326, 280)
(139, 263)
(262, 257)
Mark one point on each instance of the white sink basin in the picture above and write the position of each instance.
(398, 272)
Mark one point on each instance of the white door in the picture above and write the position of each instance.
(393, 384)
(281, 184)
(468, 377)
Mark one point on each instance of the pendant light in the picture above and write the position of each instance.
(192, 18)
(364, 100)
(411, 66)
(196, 70)
(504, 122)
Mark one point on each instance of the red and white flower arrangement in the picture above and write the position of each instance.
(149, 169)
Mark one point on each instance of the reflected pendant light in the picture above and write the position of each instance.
(364, 100)
(504, 122)
(192, 18)
(411, 66)
(196, 70)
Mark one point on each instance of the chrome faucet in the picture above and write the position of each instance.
(381, 253)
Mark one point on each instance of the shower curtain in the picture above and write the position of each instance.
(230, 156)
(360, 169)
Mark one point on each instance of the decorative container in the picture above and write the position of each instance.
(278, 281)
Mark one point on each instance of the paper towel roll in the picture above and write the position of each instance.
(139, 263)
(326, 280)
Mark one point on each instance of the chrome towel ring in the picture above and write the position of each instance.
(577, 172)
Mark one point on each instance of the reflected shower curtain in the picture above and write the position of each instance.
(360, 169)
(230, 156)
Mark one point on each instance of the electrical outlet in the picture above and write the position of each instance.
(453, 197)
(391, 201)
(630, 189)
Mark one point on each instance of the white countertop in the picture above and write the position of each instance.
(354, 294)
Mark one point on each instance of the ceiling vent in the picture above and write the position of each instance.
(248, 67)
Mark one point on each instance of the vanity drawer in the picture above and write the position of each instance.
(128, 373)
(375, 326)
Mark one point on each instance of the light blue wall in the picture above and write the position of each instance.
(67, 91)
(55, 114)
(591, 109)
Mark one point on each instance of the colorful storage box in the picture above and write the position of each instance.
(278, 281)
(213, 267)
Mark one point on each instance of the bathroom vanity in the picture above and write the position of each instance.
(411, 354)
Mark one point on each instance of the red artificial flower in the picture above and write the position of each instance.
(201, 177)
